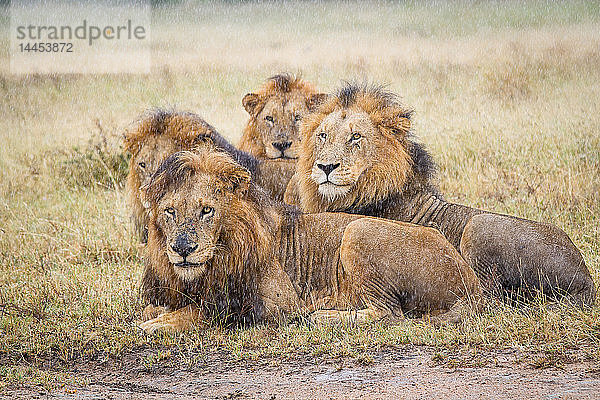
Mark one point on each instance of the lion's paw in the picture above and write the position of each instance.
(160, 323)
(151, 311)
(178, 320)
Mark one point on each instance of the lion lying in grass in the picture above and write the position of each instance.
(156, 135)
(217, 242)
(272, 132)
(357, 157)
(160, 133)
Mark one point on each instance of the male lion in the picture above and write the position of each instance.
(160, 133)
(217, 242)
(357, 157)
(271, 133)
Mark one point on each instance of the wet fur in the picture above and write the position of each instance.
(509, 254)
(396, 166)
(273, 261)
(277, 172)
(184, 129)
(280, 85)
(227, 288)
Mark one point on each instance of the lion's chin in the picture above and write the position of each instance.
(331, 191)
(186, 264)
(274, 154)
(189, 271)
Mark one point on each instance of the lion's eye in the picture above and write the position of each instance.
(322, 136)
(297, 117)
(207, 211)
(170, 211)
(142, 165)
(355, 136)
(269, 119)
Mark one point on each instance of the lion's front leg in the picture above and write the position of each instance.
(278, 295)
(151, 311)
(179, 320)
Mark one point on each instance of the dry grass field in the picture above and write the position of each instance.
(507, 99)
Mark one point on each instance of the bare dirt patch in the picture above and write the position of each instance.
(407, 372)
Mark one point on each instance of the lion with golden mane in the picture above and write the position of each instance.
(272, 132)
(357, 156)
(218, 245)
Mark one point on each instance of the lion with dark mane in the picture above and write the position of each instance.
(357, 156)
(160, 133)
(217, 245)
(156, 135)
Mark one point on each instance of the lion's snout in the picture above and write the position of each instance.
(332, 172)
(187, 251)
(281, 148)
(327, 168)
(183, 245)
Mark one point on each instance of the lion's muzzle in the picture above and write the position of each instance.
(282, 146)
(330, 173)
(333, 179)
(187, 254)
(184, 246)
(328, 168)
(281, 149)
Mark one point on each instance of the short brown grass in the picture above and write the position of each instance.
(506, 98)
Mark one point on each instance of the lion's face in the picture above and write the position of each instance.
(346, 144)
(354, 150)
(277, 120)
(190, 219)
(154, 150)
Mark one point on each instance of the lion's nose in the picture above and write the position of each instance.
(328, 168)
(282, 146)
(183, 246)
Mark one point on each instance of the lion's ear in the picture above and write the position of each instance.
(315, 100)
(398, 124)
(237, 180)
(128, 142)
(203, 137)
(252, 103)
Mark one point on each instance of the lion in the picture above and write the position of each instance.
(156, 135)
(357, 156)
(271, 134)
(160, 133)
(218, 245)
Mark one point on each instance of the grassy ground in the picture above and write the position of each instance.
(507, 98)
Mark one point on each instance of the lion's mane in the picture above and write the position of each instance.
(401, 164)
(186, 129)
(228, 286)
